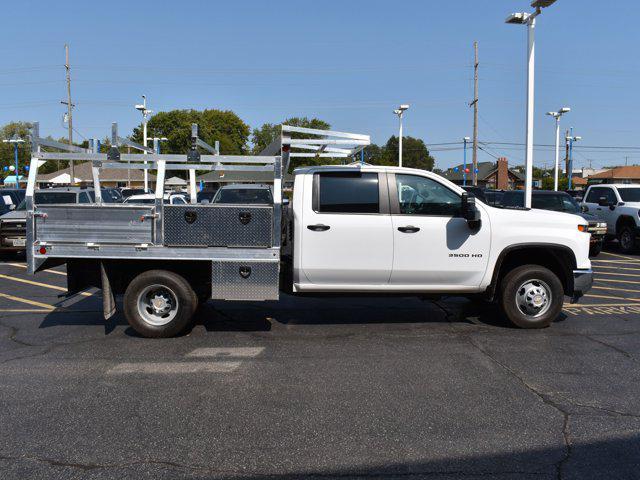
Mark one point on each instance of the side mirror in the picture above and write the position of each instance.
(603, 202)
(469, 210)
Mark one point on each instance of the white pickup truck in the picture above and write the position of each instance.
(619, 206)
(350, 230)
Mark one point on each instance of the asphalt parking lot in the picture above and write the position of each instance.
(306, 388)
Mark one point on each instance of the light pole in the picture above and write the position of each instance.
(529, 19)
(15, 140)
(399, 111)
(142, 108)
(571, 138)
(464, 163)
(557, 116)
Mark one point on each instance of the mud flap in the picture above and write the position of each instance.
(108, 299)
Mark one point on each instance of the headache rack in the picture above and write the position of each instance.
(227, 235)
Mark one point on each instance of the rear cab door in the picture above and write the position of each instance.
(346, 239)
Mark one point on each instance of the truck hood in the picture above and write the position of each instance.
(541, 217)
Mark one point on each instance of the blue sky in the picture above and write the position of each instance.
(347, 62)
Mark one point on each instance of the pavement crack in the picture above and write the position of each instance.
(546, 399)
(608, 345)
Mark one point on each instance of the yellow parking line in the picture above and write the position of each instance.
(585, 305)
(38, 284)
(22, 265)
(591, 295)
(619, 262)
(616, 289)
(619, 274)
(619, 256)
(616, 281)
(27, 301)
(618, 268)
(22, 310)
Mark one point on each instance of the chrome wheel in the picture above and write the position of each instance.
(533, 298)
(157, 305)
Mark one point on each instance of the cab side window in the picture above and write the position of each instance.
(347, 192)
(597, 192)
(424, 196)
(84, 198)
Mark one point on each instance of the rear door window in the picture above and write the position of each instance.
(347, 192)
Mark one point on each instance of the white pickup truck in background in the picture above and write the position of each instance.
(619, 206)
(351, 230)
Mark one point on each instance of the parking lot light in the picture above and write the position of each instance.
(557, 116)
(529, 19)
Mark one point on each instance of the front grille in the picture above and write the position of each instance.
(594, 229)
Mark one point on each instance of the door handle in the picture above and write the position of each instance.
(318, 228)
(409, 229)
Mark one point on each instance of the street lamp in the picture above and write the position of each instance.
(399, 111)
(557, 116)
(464, 163)
(15, 140)
(529, 19)
(142, 108)
(571, 139)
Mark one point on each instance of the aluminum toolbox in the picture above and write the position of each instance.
(239, 280)
(117, 224)
(218, 225)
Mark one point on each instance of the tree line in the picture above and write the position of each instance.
(234, 135)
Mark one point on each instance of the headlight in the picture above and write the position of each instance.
(601, 225)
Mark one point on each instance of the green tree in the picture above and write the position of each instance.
(414, 153)
(223, 126)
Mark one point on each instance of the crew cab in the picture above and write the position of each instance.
(349, 230)
(619, 206)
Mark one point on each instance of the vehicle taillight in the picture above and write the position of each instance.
(43, 250)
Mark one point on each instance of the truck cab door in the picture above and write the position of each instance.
(603, 213)
(345, 229)
(434, 247)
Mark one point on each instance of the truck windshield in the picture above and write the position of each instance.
(244, 195)
(629, 194)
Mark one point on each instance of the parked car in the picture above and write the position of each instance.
(561, 202)
(619, 206)
(10, 198)
(488, 196)
(127, 192)
(206, 196)
(13, 224)
(149, 198)
(246, 193)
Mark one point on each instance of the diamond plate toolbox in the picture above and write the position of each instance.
(218, 225)
(238, 280)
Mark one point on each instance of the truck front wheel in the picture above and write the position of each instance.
(627, 240)
(532, 296)
(159, 304)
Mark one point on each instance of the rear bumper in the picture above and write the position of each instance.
(582, 282)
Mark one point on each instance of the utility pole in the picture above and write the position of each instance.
(566, 154)
(70, 106)
(475, 114)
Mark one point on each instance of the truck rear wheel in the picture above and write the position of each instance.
(627, 240)
(531, 297)
(159, 304)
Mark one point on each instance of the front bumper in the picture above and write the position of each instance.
(582, 282)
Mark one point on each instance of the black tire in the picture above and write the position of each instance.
(627, 240)
(595, 249)
(174, 292)
(538, 279)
